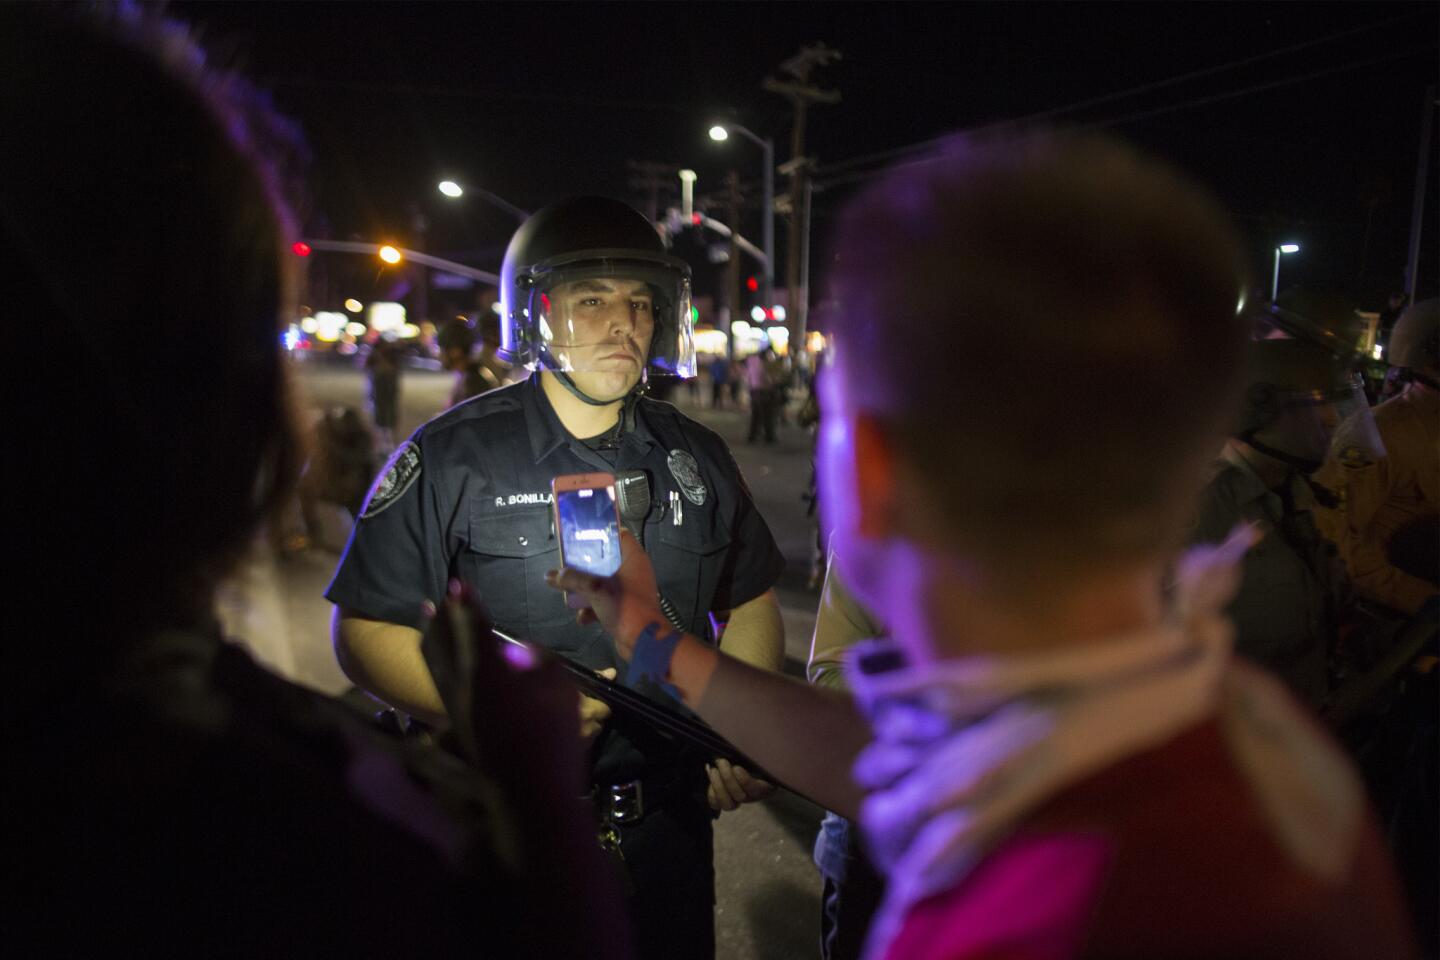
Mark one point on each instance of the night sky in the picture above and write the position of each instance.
(540, 100)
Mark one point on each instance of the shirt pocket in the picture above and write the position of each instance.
(505, 561)
(690, 560)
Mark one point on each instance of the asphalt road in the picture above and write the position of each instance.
(767, 888)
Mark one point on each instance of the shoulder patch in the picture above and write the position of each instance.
(1354, 458)
(687, 475)
(399, 474)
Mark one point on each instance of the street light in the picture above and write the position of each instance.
(454, 191)
(1275, 278)
(722, 131)
(389, 254)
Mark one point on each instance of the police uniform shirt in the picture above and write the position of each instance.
(1286, 608)
(468, 496)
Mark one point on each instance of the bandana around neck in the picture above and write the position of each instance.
(966, 747)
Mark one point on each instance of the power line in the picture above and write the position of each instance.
(1132, 117)
(897, 152)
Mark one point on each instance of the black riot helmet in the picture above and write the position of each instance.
(599, 244)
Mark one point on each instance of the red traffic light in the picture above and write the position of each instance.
(300, 248)
(697, 218)
(752, 284)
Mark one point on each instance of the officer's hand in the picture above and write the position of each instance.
(594, 713)
(731, 786)
(624, 604)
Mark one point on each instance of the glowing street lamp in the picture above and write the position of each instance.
(722, 131)
(1275, 278)
(353, 305)
(454, 191)
(389, 254)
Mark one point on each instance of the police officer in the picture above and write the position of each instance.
(593, 304)
(1302, 393)
(1381, 497)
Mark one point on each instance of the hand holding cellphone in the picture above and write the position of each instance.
(587, 523)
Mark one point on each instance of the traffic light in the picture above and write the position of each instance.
(300, 248)
(752, 284)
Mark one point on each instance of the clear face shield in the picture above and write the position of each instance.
(604, 320)
(1316, 424)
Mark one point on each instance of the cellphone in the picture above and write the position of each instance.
(587, 524)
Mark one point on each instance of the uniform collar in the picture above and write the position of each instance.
(547, 433)
(1252, 487)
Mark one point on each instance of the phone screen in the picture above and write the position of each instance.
(589, 529)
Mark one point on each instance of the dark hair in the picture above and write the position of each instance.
(1106, 279)
(141, 210)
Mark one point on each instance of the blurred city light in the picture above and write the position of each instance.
(496, 308)
(757, 314)
(779, 337)
(353, 305)
(451, 189)
(739, 328)
(291, 337)
(355, 329)
(1379, 352)
(709, 341)
(386, 316)
(389, 254)
(718, 133)
(308, 324)
(329, 324)
(779, 312)
(815, 341)
(1289, 248)
(752, 284)
(409, 330)
(300, 248)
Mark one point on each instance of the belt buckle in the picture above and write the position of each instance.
(627, 801)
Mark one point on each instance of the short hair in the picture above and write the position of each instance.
(1049, 326)
(142, 215)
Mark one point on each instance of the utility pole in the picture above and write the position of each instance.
(1417, 211)
(732, 271)
(649, 178)
(801, 94)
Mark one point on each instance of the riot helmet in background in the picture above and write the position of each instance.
(1415, 341)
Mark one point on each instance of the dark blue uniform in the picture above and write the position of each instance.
(469, 497)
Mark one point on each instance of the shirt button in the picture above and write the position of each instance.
(524, 541)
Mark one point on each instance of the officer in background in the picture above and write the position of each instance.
(1293, 591)
(593, 304)
(1384, 502)
(852, 888)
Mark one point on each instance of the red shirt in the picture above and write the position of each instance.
(1163, 855)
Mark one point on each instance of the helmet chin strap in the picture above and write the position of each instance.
(547, 360)
(1302, 464)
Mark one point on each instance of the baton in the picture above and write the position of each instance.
(668, 720)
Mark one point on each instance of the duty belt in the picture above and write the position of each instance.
(632, 800)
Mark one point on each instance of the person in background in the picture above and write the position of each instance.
(382, 367)
(1293, 593)
(758, 372)
(1054, 755)
(719, 380)
(1380, 495)
(852, 889)
(165, 795)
